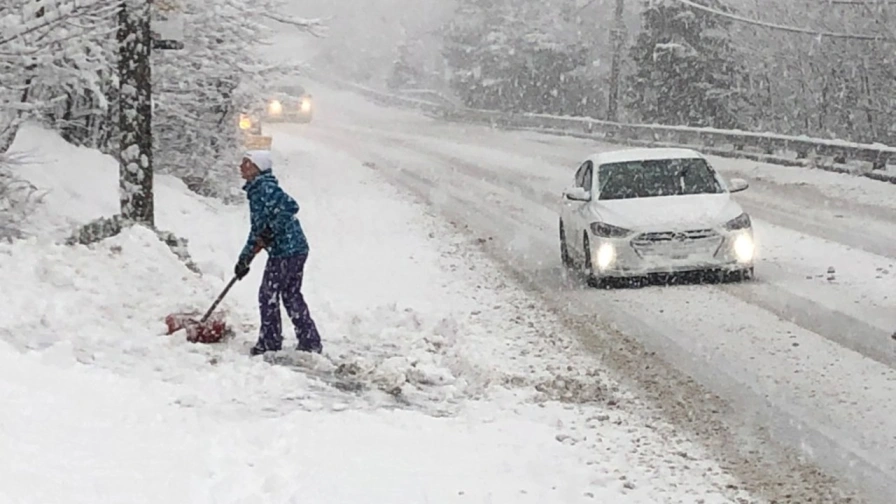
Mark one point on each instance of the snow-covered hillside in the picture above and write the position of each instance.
(463, 389)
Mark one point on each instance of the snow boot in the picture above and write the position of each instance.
(312, 347)
(261, 348)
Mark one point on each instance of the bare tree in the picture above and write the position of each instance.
(823, 84)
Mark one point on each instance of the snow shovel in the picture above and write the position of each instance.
(208, 329)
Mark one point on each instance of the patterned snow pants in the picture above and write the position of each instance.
(282, 280)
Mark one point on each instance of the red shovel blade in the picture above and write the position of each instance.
(177, 321)
(212, 330)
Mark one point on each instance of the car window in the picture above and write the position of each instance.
(580, 175)
(661, 177)
(589, 176)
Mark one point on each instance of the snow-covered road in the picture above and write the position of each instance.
(804, 352)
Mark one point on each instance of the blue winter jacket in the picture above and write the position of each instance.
(270, 206)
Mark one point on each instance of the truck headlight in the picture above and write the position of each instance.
(306, 105)
(245, 122)
(275, 107)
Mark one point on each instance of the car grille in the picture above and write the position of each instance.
(677, 243)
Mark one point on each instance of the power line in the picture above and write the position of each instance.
(791, 29)
(874, 3)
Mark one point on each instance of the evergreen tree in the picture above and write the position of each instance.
(511, 55)
(688, 72)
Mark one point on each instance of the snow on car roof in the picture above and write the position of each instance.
(643, 154)
(290, 89)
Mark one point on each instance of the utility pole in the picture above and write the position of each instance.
(616, 41)
(135, 112)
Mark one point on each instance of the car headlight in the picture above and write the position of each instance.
(744, 248)
(606, 254)
(306, 105)
(245, 122)
(275, 107)
(605, 230)
(742, 221)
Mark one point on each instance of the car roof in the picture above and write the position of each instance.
(643, 154)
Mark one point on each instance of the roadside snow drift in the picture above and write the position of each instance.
(440, 382)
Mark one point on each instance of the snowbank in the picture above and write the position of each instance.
(467, 392)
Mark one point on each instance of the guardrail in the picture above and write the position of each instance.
(379, 96)
(867, 160)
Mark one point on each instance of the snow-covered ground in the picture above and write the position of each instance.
(463, 388)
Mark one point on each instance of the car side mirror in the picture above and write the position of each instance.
(737, 185)
(577, 194)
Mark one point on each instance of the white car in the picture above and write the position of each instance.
(637, 212)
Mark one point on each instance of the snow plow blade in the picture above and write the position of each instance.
(258, 142)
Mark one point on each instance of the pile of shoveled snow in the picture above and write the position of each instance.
(467, 389)
(114, 292)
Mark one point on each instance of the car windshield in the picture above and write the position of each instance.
(294, 90)
(659, 177)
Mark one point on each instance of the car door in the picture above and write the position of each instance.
(577, 209)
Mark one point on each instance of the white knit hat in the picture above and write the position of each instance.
(261, 158)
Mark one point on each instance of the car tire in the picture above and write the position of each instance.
(564, 249)
(591, 280)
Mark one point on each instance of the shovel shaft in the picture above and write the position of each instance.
(223, 293)
(218, 300)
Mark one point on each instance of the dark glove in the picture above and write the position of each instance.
(242, 268)
(265, 238)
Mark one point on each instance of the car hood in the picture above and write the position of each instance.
(667, 213)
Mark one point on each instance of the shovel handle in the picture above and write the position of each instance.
(218, 300)
(227, 288)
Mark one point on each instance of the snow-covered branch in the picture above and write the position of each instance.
(17, 197)
(54, 55)
(44, 20)
(58, 66)
(315, 27)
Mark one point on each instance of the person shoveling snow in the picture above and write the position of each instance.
(275, 227)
